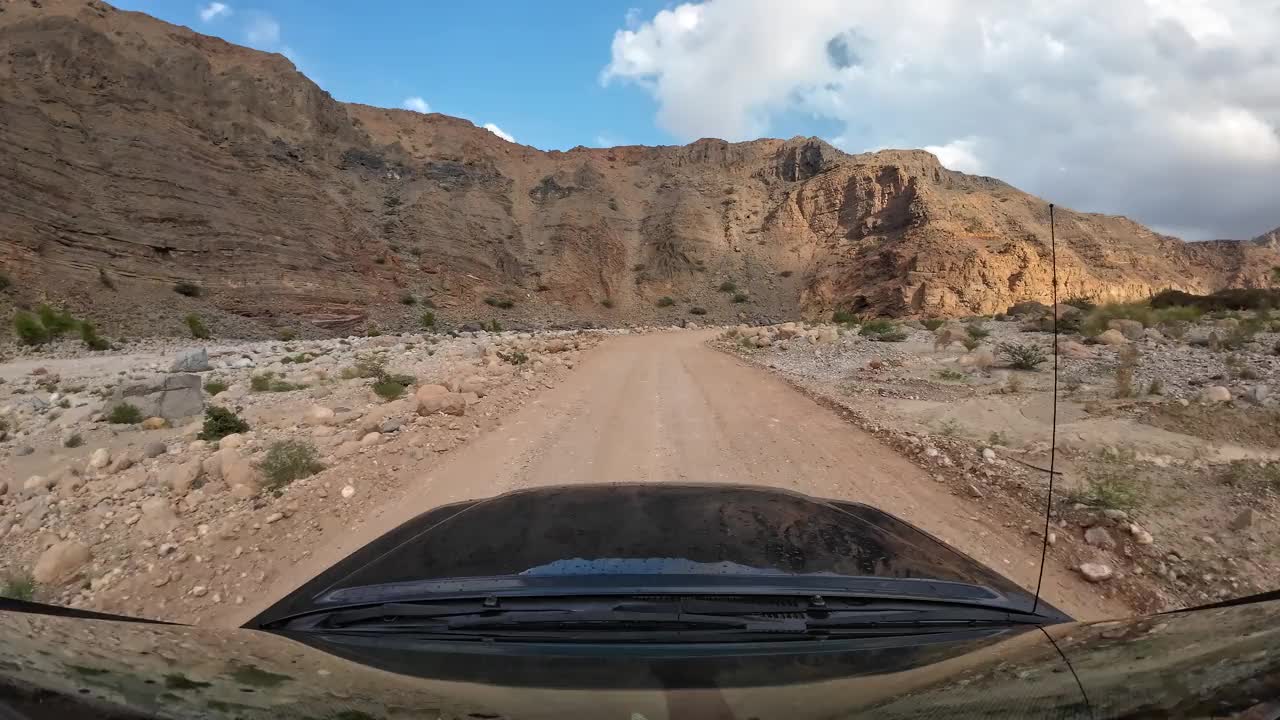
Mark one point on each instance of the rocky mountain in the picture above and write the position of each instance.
(135, 154)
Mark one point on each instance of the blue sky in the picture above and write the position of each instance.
(532, 69)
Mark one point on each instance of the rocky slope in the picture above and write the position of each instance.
(135, 154)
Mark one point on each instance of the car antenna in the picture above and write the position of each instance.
(1053, 433)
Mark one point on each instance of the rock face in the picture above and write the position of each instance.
(280, 202)
(166, 396)
(191, 361)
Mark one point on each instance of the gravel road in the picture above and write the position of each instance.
(667, 408)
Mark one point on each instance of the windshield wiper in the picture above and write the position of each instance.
(666, 614)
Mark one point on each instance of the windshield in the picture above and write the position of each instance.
(710, 322)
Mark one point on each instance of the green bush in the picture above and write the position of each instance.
(89, 336)
(1022, 357)
(1229, 299)
(845, 317)
(666, 301)
(977, 331)
(55, 322)
(1081, 303)
(494, 326)
(213, 387)
(125, 414)
(197, 328)
(970, 343)
(220, 422)
(372, 330)
(268, 382)
(5, 282)
(388, 389)
(28, 329)
(427, 320)
(1095, 322)
(408, 299)
(289, 460)
(607, 303)
(504, 303)
(933, 323)
(73, 441)
(18, 586)
(728, 286)
(695, 310)
(187, 289)
(1114, 488)
(286, 336)
(740, 297)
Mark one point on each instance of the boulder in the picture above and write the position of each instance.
(37, 484)
(1112, 337)
(1215, 394)
(1074, 350)
(182, 477)
(99, 458)
(239, 474)
(212, 467)
(155, 448)
(166, 396)
(232, 441)
(123, 461)
(474, 384)
(1096, 572)
(449, 403)
(191, 361)
(1131, 329)
(318, 415)
(372, 438)
(61, 562)
(158, 517)
(380, 414)
(1098, 536)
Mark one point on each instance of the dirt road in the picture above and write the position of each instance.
(666, 408)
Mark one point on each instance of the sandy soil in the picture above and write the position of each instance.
(667, 408)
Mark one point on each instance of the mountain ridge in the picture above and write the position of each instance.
(153, 155)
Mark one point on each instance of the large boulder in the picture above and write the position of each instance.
(166, 396)
(61, 562)
(239, 474)
(191, 361)
(1131, 329)
(158, 517)
(183, 476)
(1112, 337)
(1215, 394)
(449, 403)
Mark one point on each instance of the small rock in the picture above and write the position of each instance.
(155, 423)
(1215, 394)
(372, 438)
(155, 448)
(61, 562)
(1140, 536)
(23, 450)
(988, 454)
(1243, 520)
(199, 591)
(100, 458)
(1112, 337)
(319, 415)
(348, 492)
(157, 517)
(274, 517)
(389, 425)
(1098, 536)
(1096, 572)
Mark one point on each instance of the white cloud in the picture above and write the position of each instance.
(214, 10)
(262, 30)
(499, 132)
(604, 140)
(416, 104)
(1141, 108)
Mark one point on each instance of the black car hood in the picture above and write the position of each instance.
(654, 537)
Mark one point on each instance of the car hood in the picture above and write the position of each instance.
(656, 537)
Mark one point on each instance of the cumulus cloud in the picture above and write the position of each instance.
(214, 10)
(262, 30)
(1164, 110)
(499, 132)
(416, 104)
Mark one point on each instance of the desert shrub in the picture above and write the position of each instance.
(5, 282)
(372, 330)
(933, 323)
(260, 383)
(666, 301)
(1081, 303)
(494, 326)
(1110, 487)
(408, 299)
(89, 336)
(845, 317)
(785, 273)
(503, 303)
(740, 297)
(286, 336)
(728, 286)
(1012, 385)
(514, 357)
(187, 289)
(427, 320)
(1175, 314)
(213, 387)
(1022, 357)
(880, 330)
(18, 586)
(124, 414)
(1156, 387)
(73, 441)
(997, 438)
(695, 310)
(970, 343)
(55, 322)
(197, 328)
(220, 422)
(1229, 299)
(1096, 321)
(1251, 474)
(388, 389)
(951, 375)
(106, 280)
(949, 428)
(1068, 323)
(638, 267)
(28, 329)
(977, 331)
(289, 460)
(607, 303)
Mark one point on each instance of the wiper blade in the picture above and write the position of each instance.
(630, 615)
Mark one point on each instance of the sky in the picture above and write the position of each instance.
(1167, 111)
